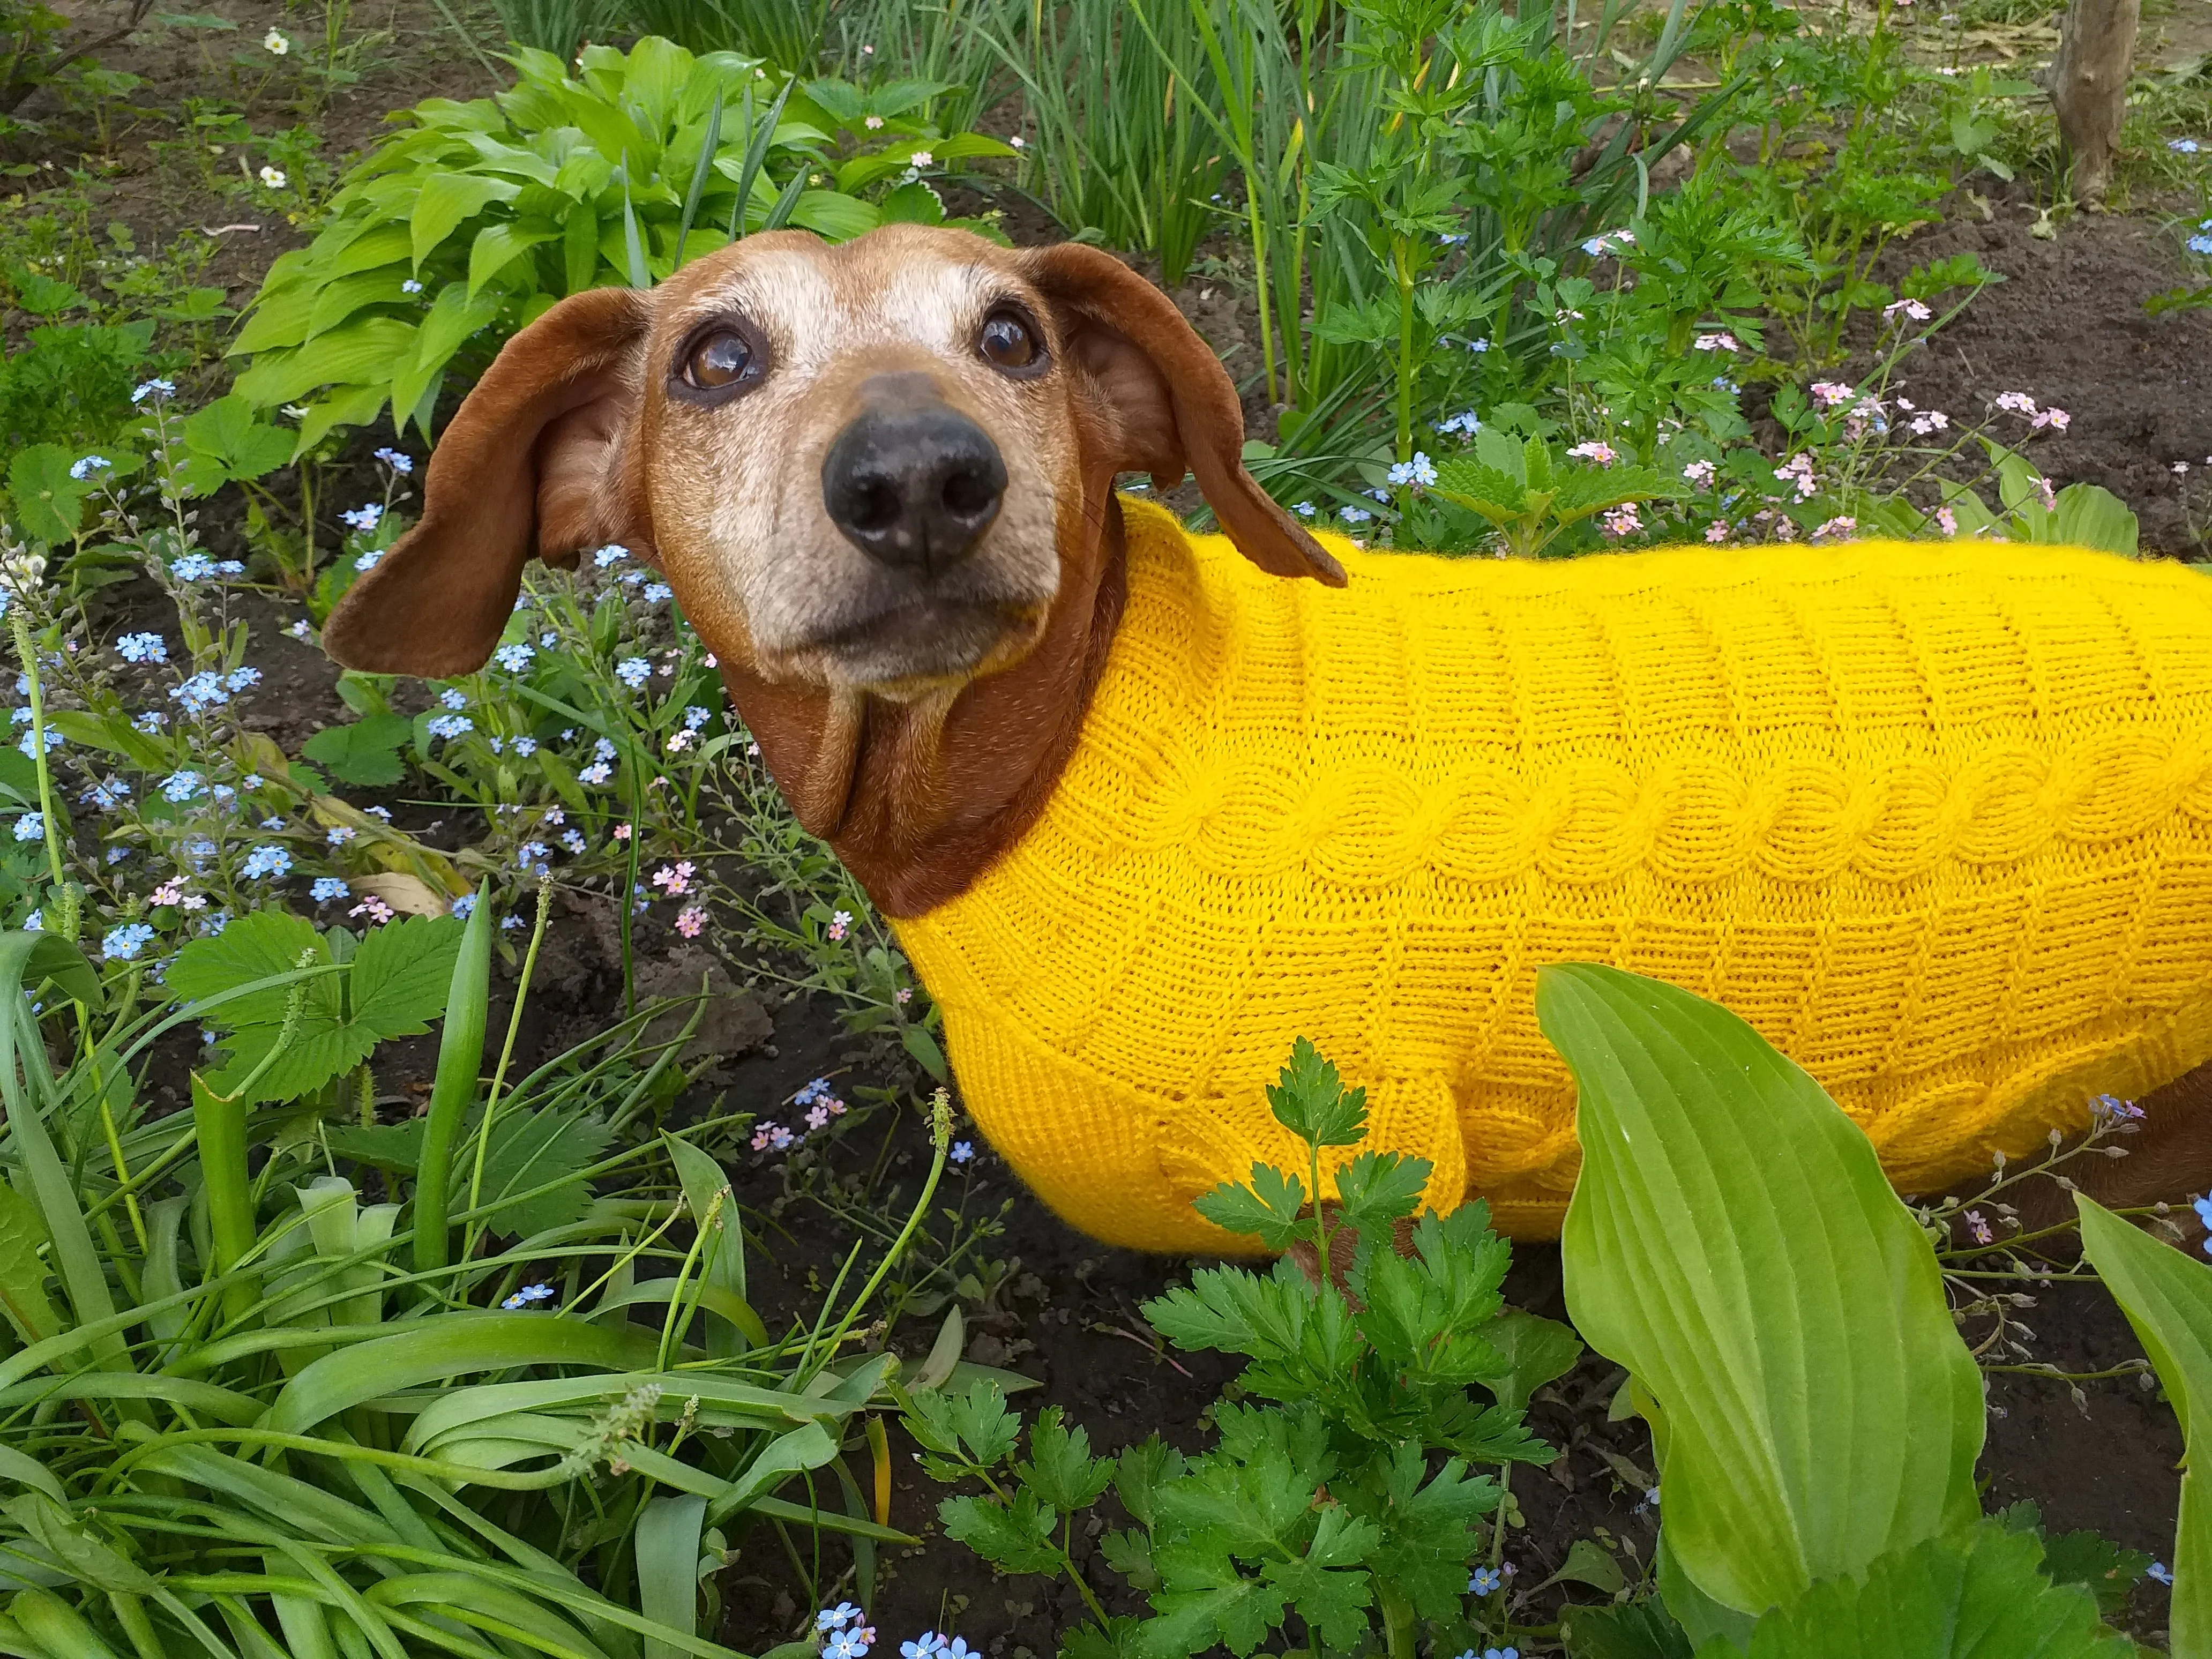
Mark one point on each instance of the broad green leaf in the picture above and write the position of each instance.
(1536, 1350)
(1633, 1630)
(1732, 1242)
(48, 504)
(258, 945)
(365, 752)
(2089, 515)
(498, 246)
(453, 1345)
(23, 1271)
(445, 199)
(667, 1549)
(362, 353)
(2168, 1298)
(1977, 1594)
(226, 436)
(402, 974)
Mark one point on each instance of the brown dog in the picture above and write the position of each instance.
(879, 477)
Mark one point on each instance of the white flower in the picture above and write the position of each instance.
(923, 158)
(274, 41)
(273, 177)
(873, 123)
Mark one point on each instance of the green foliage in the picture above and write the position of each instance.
(2168, 1298)
(365, 1461)
(1353, 1497)
(1531, 501)
(1979, 1594)
(471, 221)
(393, 983)
(70, 383)
(1815, 1415)
(2080, 515)
(364, 751)
(1782, 1316)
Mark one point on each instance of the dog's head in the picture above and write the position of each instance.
(862, 467)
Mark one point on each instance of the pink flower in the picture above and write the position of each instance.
(2057, 419)
(2050, 495)
(1912, 309)
(2018, 401)
(1981, 1228)
(375, 909)
(1603, 454)
(1700, 473)
(1928, 421)
(1718, 531)
(1798, 469)
(713, 661)
(1622, 520)
(903, 996)
(674, 880)
(168, 892)
(1833, 393)
(1946, 521)
(622, 832)
(1843, 524)
(690, 920)
(1715, 342)
(817, 1117)
(840, 923)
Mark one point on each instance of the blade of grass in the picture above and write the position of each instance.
(460, 1062)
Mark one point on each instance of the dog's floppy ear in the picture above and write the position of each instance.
(1153, 397)
(532, 462)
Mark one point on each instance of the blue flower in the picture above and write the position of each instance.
(155, 388)
(30, 750)
(1421, 472)
(327, 888)
(597, 771)
(961, 1151)
(83, 468)
(465, 906)
(35, 922)
(696, 716)
(364, 517)
(192, 568)
(124, 943)
(572, 840)
(338, 834)
(837, 1617)
(1463, 422)
(150, 722)
(603, 750)
(526, 746)
(514, 657)
(632, 672)
(928, 1645)
(401, 463)
(452, 699)
(204, 691)
(1354, 515)
(2200, 244)
(263, 861)
(1303, 509)
(610, 554)
(32, 826)
(369, 560)
(528, 1294)
(656, 592)
(1484, 1581)
(108, 795)
(845, 1645)
(2160, 1572)
(2183, 146)
(450, 725)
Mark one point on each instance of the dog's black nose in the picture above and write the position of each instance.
(914, 488)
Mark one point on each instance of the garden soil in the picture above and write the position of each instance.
(2068, 326)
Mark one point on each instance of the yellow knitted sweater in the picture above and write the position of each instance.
(1936, 818)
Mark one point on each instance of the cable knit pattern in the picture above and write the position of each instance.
(1936, 818)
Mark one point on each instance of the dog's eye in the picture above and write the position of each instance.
(1007, 341)
(721, 359)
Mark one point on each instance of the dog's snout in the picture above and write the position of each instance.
(914, 488)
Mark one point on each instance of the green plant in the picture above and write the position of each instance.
(1816, 1417)
(268, 1421)
(2168, 1298)
(475, 219)
(1518, 487)
(1347, 1501)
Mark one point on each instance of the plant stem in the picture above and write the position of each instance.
(506, 1053)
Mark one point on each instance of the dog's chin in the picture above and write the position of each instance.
(918, 648)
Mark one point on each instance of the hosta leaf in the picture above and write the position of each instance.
(2168, 1298)
(1732, 1242)
(359, 354)
(445, 199)
(1976, 1595)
